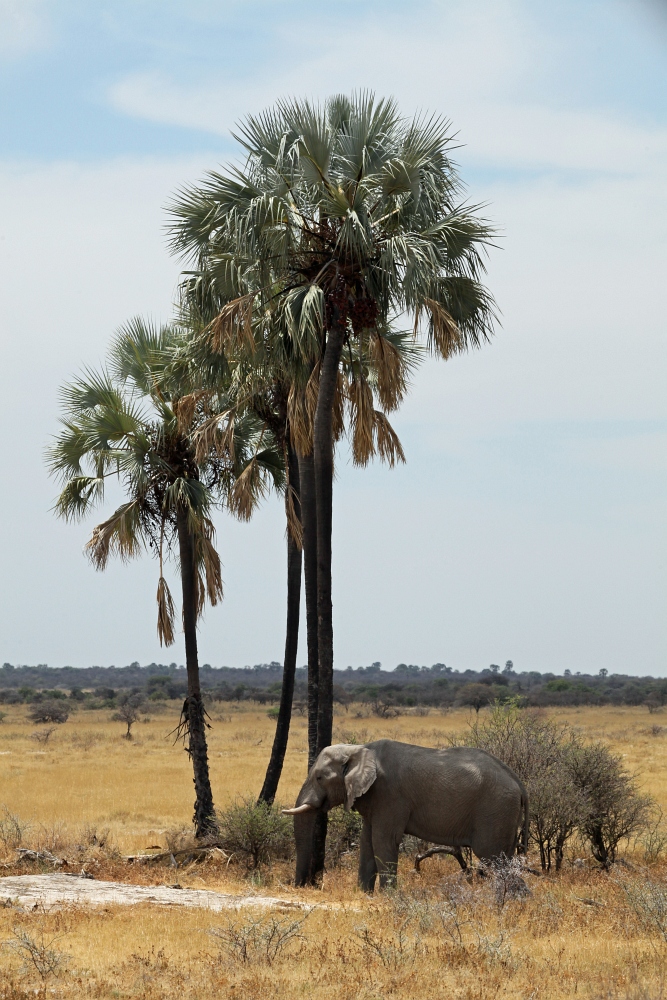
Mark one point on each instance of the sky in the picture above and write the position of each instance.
(529, 521)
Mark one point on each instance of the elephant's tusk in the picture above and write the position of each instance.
(297, 810)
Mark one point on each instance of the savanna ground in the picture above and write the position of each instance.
(92, 796)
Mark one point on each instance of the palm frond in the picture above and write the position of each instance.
(165, 614)
(119, 535)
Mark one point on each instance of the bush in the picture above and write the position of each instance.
(613, 809)
(49, 711)
(257, 831)
(259, 939)
(343, 833)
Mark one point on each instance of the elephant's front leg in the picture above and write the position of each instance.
(385, 850)
(367, 866)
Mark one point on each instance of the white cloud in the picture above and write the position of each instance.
(23, 26)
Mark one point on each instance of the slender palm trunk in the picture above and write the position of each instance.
(193, 710)
(323, 448)
(309, 523)
(294, 560)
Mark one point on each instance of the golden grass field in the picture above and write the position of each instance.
(553, 945)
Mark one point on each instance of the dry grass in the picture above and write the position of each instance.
(435, 938)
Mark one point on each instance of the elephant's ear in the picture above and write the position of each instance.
(360, 773)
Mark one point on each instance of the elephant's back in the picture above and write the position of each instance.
(448, 769)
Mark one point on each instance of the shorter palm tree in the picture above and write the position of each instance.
(159, 424)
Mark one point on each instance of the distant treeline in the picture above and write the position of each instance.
(408, 685)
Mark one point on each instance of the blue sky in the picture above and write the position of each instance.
(529, 521)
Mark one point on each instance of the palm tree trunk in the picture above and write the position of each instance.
(274, 770)
(309, 522)
(193, 709)
(323, 448)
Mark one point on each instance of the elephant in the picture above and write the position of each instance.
(457, 796)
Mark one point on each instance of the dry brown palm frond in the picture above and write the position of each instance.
(118, 534)
(391, 375)
(443, 333)
(184, 409)
(200, 593)
(248, 490)
(338, 413)
(294, 526)
(300, 425)
(312, 393)
(165, 613)
(361, 411)
(233, 325)
(216, 433)
(209, 558)
(389, 446)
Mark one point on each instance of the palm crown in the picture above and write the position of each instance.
(160, 425)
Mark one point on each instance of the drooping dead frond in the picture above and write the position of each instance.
(185, 407)
(444, 335)
(165, 613)
(208, 557)
(361, 411)
(216, 433)
(232, 327)
(338, 412)
(294, 526)
(117, 535)
(248, 489)
(391, 375)
(312, 393)
(300, 425)
(388, 444)
(200, 593)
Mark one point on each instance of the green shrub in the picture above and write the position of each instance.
(343, 833)
(257, 831)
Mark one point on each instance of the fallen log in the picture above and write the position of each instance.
(191, 853)
(27, 855)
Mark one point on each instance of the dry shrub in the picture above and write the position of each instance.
(343, 833)
(260, 939)
(12, 829)
(256, 831)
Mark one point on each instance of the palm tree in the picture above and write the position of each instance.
(158, 424)
(344, 218)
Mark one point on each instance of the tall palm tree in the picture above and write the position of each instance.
(158, 424)
(344, 218)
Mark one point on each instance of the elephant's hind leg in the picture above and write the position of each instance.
(367, 866)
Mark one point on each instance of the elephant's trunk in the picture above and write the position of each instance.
(304, 830)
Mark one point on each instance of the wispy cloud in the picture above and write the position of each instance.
(24, 26)
(474, 64)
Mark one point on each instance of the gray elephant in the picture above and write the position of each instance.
(458, 797)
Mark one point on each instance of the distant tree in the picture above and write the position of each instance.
(129, 712)
(509, 667)
(602, 672)
(475, 695)
(49, 711)
(494, 668)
